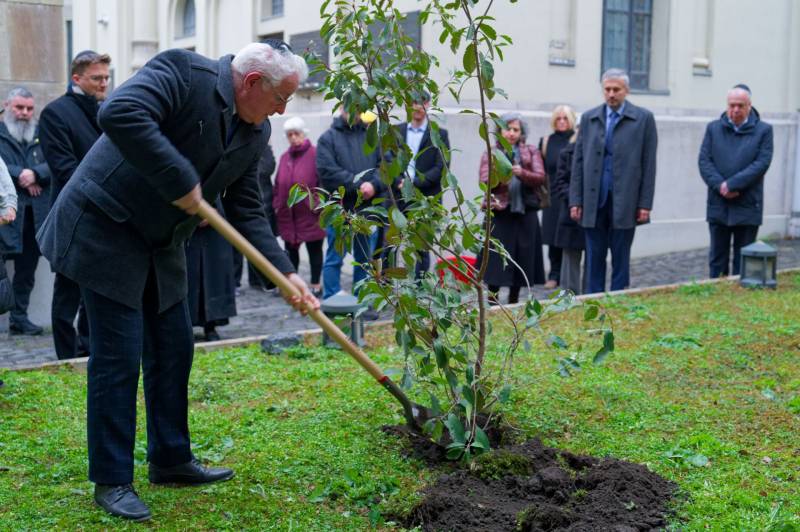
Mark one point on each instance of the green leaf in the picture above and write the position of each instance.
(591, 312)
(371, 141)
(481, 440)
(556, 341)
(454, 451)
(469, 60)
(296, 195)
(455, 428)
(608, 347)
(398, 218)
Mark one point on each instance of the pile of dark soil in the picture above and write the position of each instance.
(530, 487)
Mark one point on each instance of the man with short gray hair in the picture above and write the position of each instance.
(22, 153)
(613, 180)
(118, 229)
(735, 154)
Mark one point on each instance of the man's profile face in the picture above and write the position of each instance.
(94, 80)
(20, 108)
(614, 92)
(260, 99)
(738, 107)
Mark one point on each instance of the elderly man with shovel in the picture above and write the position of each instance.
(181, 132)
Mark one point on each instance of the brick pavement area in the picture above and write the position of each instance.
(261, 313)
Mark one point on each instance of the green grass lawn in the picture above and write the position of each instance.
(704, 389)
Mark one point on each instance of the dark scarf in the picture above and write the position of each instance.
(515, 200)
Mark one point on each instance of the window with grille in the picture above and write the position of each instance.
(271, 8)
(627, 38)
(188, 19)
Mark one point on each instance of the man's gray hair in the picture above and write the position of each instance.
(514, 116)
(616, 73)
(19, 92)
(740, 90)
(273, 64)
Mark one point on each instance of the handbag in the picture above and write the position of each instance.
(6, 291)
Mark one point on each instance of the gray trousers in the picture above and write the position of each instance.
(571, 270)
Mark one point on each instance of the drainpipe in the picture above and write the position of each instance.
(794, 221)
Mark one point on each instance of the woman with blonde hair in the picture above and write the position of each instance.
(562, 122)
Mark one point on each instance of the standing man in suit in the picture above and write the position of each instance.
(426, 165)
(734, 157)
(69, 130)
(183, 128)
(22, 153)
(613, 180)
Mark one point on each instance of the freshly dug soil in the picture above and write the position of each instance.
(530, 487)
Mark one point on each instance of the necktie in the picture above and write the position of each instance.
(607, 181)
(612, 122)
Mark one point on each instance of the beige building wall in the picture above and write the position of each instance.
(700, 48)
(27, 28)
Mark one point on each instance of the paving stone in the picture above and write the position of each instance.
(261, 312)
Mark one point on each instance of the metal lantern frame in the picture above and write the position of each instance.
(345, 306)
(759, 266)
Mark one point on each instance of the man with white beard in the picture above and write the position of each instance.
(20, 149)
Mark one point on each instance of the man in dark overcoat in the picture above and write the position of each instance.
(22, 153)
(613, 180)
(734, 157)
(183, 128)
(69, 129)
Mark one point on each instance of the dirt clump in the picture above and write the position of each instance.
(530, 487)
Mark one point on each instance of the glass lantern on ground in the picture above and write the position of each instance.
(759, 266)
(344, 309)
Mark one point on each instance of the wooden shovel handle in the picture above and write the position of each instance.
(208, 213)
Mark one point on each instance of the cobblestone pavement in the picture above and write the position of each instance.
(262, 312)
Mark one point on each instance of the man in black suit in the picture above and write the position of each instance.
(426, 165)
(118, 229)
(69, 130)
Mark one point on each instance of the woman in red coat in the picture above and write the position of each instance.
(300, 223)
(515, 221)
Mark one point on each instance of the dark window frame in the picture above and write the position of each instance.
(639, 79)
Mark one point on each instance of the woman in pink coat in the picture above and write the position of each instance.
(300, 223)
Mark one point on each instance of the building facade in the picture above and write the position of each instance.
(683, 56)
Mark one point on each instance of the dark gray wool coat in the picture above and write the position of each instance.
(741, 158)
(17, 157)
(634, 164)
(165, 131)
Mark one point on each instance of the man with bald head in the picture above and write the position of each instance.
(735, 154)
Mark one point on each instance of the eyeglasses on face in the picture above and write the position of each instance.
(99, 78)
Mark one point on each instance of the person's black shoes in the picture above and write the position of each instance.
(189, 473)
(121, 501)
(24, 327)
(211, 334)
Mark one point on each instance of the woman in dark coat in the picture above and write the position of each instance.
(562, 123)
(515, 221)
(209, 268)
(569, 234)
(299, 224)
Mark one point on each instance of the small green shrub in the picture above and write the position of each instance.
(500, 463)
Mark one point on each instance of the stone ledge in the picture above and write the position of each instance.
(314, 336)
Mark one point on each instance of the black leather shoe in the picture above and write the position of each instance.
(25, 327)
(121, 501)
(189, 473)
(211, 334)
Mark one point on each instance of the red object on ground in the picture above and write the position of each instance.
(453, 266)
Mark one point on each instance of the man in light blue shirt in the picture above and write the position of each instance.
(426, 165)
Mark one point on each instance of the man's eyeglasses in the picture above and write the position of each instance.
(98, 79)
(281, 99)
